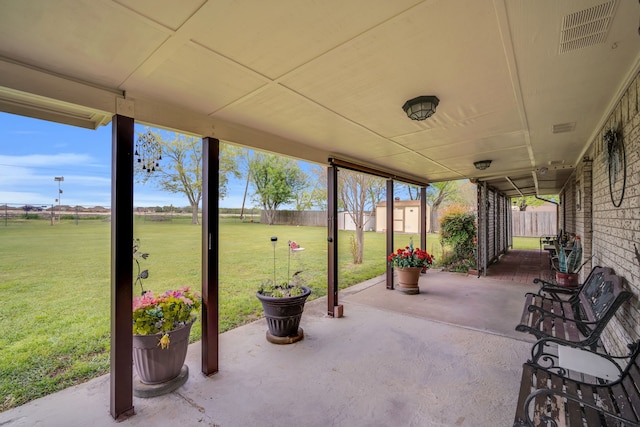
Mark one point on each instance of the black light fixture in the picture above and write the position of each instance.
(421, 108)
(482, 164)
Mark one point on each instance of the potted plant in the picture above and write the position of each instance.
(569, 265)
(283, 302)
(161, 327)
(409, 263)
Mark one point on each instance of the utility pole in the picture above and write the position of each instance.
(59, 179)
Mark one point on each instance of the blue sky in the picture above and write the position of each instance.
(33, 152)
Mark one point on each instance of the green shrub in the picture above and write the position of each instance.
(458, 231)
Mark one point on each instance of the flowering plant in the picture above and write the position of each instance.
(165, 313)
(410, 257)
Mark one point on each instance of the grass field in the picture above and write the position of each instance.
(55, 287)
(526, 243)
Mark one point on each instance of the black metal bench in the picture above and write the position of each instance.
(549, 396)
(580, 319)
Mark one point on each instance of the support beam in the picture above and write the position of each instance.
(210, 237)
(390, 247)
(121, 386)
(344, 164)
(485, 229)
(423, 218)
(332, 239)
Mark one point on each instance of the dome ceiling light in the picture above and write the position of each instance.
(421, 108)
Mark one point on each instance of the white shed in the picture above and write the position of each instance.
(406, 216)
(345, 222)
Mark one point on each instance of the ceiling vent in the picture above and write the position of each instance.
(587, 27)
(564, 127)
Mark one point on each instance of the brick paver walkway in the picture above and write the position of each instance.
(521, 266)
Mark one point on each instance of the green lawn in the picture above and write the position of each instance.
(55, 287)
(526, 243)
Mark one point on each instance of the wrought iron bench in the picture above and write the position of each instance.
(562, 293)
(553, 395)
(582, 318)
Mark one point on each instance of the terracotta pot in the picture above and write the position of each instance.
(156, 365)
(408, 278)
(283, 314)
(568, 280)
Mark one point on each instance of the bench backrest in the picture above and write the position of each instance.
(600, 298)
(594, 280)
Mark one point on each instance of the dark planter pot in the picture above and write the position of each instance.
(283, 314)
(568, 280)
(155, 365)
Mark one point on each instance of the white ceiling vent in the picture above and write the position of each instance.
(564, 127)
(587, 27)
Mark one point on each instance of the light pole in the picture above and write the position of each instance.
(59, 179)
(274, 242)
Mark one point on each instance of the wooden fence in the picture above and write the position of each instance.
(525, 224)
(309, 218)
(534, 224)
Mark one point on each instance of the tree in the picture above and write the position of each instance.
(319, 190)
(303, 200)
(524, 202)
(413, 191)
(437, 193)
(228, 164)
(276, 180)
(314, 193)
(180, 170)
(359, 193)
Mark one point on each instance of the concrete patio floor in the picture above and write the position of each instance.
(448, 356)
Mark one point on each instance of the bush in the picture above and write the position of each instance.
(458, 230)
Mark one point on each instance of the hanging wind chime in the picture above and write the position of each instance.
(148, 152)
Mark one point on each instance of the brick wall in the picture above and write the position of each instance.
(611, 232)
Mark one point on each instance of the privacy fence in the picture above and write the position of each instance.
(319, 219)
(308, 218)
(524, 224)
(534, 224)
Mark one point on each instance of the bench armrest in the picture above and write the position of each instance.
(544, 282)
(568, 356)
(555, 400)
(551, 289)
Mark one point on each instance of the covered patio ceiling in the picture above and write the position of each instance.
(525, 84)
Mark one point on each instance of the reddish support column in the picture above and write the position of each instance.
(121, 389)
(210, 233)
(389, 231)
(332, 239)
(423, 218)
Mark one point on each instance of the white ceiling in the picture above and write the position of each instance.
(318, 79)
